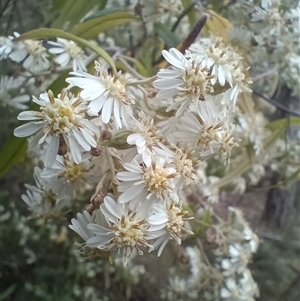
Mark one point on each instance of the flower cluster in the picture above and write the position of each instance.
(35, 56)
(96, 137)
(142, 149)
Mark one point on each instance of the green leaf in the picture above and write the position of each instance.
(42, 33)
(292, 121)
(166, 35)
(139, 66)
(12, 153)
(67, 13)
(203, 224)
(102, 21)
(8, 292)
(192, 13)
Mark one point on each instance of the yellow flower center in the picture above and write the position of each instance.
(73, 49)
(197, 81)
(34, 48)
(129, 231)
(157, 179)
(72, 172)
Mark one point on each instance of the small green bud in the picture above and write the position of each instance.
(119, 140)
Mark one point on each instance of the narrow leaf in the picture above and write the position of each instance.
(103, 21)
(67, 13)
(292, 121)
(12, 153)
(139, 66)
(187, 4)
(166, 35)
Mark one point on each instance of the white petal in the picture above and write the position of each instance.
(131, 193)
(89, 137)
(112, 207)
(97, 104)
(56, 50)
(117, 114)
(131, 138)
(27, 115)
(158, 219)
(29, 62)
(51, 152)
(107, 110)
(97, 241)
(174, 57)
(167, 83)
(127, 176)
(161, 248)
(28, 129)
(63, 59)
(74, 149)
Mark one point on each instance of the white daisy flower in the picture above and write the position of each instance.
(146, 184)
(6, 85)
(145, 137)
(238, 259)
(61, 118)
(203, 131)
(217, 57)
(79, 226)
(210, 190)
(231, 292)
(126, 230)
(187, 82)
(7, 46)
(68, 51)
(67, 175)
(106, 93)
(240, 84)
(167, 127)
(167, 222)
(41, 199)
(252, 239)
(32, 53)
(248, 286)
(189, 169)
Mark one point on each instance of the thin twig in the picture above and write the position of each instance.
(279, 239)
(10, 17)
(4, 8)
(278, 105)
(267, 73)
(130, 69)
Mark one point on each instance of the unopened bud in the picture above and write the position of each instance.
(90, 208)
(96, 151)
(106, 135)
(119, 140)
(97, 200)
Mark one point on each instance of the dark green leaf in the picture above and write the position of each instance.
(192, 13)
(102, 21)
(7, 292)
(166, 35)
(67, 13)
